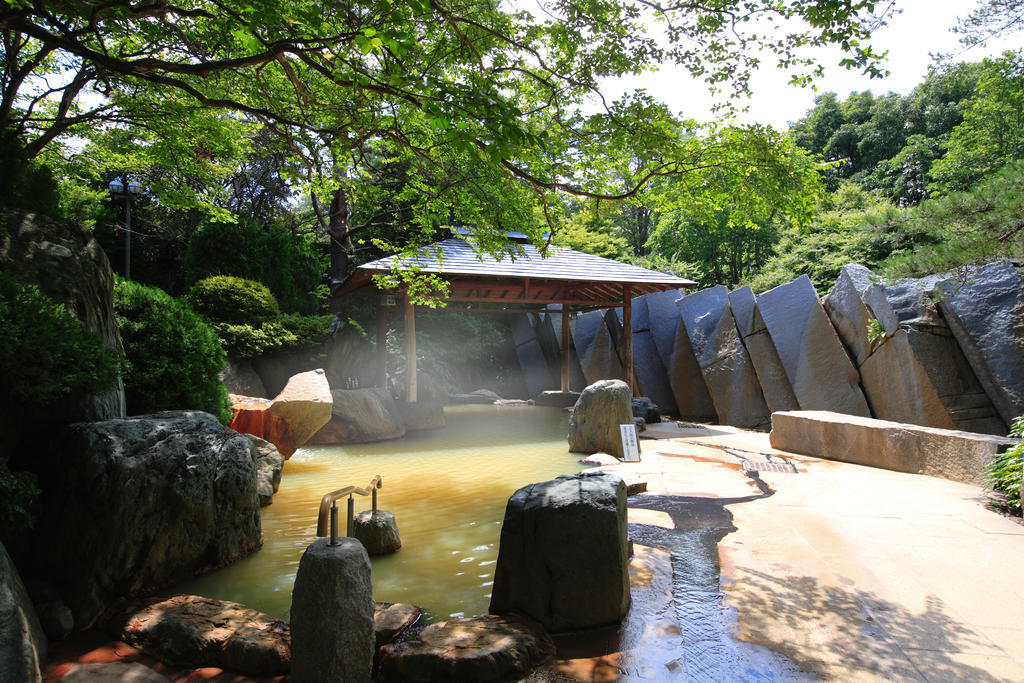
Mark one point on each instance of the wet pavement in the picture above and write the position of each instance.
(807, 569)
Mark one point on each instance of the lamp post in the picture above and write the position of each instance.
(130, 193)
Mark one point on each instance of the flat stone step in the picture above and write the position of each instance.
(487, 648)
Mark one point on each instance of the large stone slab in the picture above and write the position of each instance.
(648, 368)
(985, 311)
(488, 648)
(22, 641)
(915, 372)
(960, 456)
(135, 503)
(723, 360)
(361, 416)
(576, 380)
(596, 347)
(673, 343)
(821, 373)
(563, 554)
(775, 386)
(596, 417)
(269, 465)
(848, 311)
(191, 631)
(532, 360)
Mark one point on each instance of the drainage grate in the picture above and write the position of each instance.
(764, 466)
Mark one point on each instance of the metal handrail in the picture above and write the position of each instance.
(329, 507)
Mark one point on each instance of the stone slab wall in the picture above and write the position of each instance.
(943, 351)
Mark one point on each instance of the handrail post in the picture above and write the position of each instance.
(351, 514)
(334, 524)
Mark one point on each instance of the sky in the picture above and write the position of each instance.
(921, 28)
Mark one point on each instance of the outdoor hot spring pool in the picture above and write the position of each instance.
(447, 487)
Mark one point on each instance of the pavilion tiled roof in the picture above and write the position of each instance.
(563, 276)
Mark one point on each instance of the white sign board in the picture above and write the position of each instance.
(630, 446)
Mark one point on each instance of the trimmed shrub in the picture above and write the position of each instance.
(232, 300)
(285, 332)
(45, 353)
(288, 265)
(174, 355)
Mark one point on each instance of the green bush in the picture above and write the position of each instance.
(288, 265)
(232, 300)
(1005, 470)
(285, 332)
(45, 356)
(18, 492)
(174, 356)
(45, 353)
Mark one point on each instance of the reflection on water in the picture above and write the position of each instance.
(448, 490)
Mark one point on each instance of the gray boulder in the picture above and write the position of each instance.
(428, 410)
(140, 502)
(239, 377)
(595, 419)
(332, 625)
(377, 531)
(723, 360)
(985, 311)
(361, 416)
(269, 464)
(22, 641)
(563, 554)
(778, 394)
(821, 373)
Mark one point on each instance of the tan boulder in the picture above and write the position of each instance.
(485, 648)
(288, 420)
(191, 631)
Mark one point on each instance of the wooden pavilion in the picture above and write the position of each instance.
(515, 283)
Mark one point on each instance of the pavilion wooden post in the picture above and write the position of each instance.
(565, 348)
(410, 350)
(627, 335)
(382, 344)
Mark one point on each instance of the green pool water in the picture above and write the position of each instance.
(447, 488)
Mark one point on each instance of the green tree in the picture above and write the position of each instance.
(726, 227)
(992, 131)
(480, 103)
(289, 265)
(820, 247)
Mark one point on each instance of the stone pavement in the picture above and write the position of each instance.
(850, 572)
